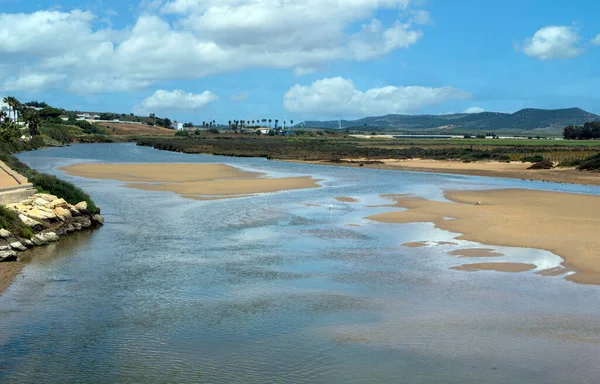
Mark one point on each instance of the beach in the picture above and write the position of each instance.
(565, 224)
(197, 181)
(512, 170)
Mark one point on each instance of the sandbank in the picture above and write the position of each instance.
(512, 170)
(565, 224)
(475, 252)
(345, 199)
(8, 272)
(196, 181)
(415, 244)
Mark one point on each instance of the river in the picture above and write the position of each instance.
(278, 288)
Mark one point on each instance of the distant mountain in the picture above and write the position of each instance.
(525, 120)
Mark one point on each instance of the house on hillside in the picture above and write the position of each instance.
(8, 109)
(87, 116)
(176, 125)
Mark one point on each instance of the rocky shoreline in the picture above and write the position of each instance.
(49, 218)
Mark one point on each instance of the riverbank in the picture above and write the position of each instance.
(510, 170)
(197, 181)
(563, 223)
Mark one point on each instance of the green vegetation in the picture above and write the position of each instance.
(182, 133)
(11, 222)
(592, 163)
(588, 131)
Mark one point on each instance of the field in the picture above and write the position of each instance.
(124, 129)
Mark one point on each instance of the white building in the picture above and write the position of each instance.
(6, 108)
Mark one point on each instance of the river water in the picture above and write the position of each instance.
(277, 288)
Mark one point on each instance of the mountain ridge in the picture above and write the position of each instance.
(526, 119)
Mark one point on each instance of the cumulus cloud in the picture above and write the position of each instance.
(596, 40)
(553, 42)
(186, 39)
(339, 96)
(474, 110)
(163, 100)
(32, 82)
(241, 96)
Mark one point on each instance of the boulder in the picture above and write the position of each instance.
(51, 236)
(8, 255)
(85, 222)
(35, 225)
(39, 239)
(28, 243)
(58, 203)
(4, 233)
(18, 246)
(46, 196)
(39, 202)
(62, 213)
(98, 219)
(69, 228)
(77, 226)
(41, 213)
(74, 210)
(81, 206)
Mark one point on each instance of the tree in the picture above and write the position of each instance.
(32, 119)
(3, 116)
(270, 123)
(291, 123)
(14, 104)
(49, 112)
(229, 122)
(276, 122)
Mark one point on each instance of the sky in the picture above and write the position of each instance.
(197, 60)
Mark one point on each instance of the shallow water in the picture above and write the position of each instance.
(268, 289)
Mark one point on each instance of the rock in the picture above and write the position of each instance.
(69, 228)
(4, 233)
(58, 203)
(81, 206)
(40, 202)
(77, 226)
(51, 236)
(39, 239)
(85, 222)
(63, 213)
(18, 207)
(8, 255)
(46, 196)
(5, 247)
(41, 213)
(74, 210)
(28, 243)
(18, 246)
(35, 225)
(98, 219)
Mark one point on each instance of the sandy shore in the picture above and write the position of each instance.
(199, 181)
(513, 170)
(345, 199)
(8, 272)
(563, 223)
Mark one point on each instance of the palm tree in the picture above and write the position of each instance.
(14, 104)
(291, 123)
(32, 119)
(215, 123)
(3, 116)
(270, 123)
(229, 122)
(276, 121)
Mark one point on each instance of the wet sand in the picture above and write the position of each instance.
(197, 181)
(345, 199)
(8, 271)
(498, 267)
(416, 244)
(563, 223)
(475, 252)
(512, 170)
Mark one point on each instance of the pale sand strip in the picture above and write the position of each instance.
(345, 199)
(416, 244)
(498, 267)
(563, 223)
(196, 181)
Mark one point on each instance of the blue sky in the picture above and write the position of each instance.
(195, 60)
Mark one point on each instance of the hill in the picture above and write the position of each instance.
(128, 129)
(523, 120)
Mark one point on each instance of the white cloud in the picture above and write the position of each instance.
(474, 110)
(553, 42)
(32, 82)
(339, 96)
(186, 39)
(241, 96)
(596, 40)
(163, 100)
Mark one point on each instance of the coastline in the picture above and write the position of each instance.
(512, 170)
(565, 224)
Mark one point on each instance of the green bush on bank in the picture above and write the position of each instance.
(11, 222)
(592, 163)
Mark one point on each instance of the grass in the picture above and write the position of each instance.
(11, 222)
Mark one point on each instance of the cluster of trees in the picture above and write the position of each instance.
(256, 123)
(8, 128)
(590, 130)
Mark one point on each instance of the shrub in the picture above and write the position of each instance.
(55, 186)
(544, 164)
(592, 163)
(532, 159)
(182, 133)
(11, 222)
